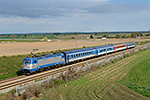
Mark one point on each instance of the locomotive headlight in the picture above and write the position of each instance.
(29, 66)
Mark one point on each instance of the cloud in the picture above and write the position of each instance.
(53, 8)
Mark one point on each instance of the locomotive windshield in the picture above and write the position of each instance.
(26, 62)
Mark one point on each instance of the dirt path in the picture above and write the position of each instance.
(15, 48)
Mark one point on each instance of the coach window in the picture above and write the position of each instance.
(71, 56)
(74, 56)
(101, 50)
(79, 55)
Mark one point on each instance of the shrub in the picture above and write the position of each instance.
(72, 38)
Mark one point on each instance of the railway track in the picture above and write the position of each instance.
(21, 80)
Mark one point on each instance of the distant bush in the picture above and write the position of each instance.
(91, 36)
(72, 38)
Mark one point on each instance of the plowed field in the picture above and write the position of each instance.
(15, 48)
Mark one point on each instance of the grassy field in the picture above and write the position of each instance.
(20, 40)
(138, 78)
(106, 82)
(28, 37)
(10, 66)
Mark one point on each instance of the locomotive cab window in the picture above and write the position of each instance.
(26, 62)
(35, 61)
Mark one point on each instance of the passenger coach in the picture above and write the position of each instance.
(79, 54)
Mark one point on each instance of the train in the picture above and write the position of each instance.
(38, 63)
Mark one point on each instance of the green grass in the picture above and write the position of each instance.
(138, 78)
(142, 43)
(19, 40)
(10, 66)
(29, 37)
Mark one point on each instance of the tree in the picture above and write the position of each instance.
(72, 38)
(149, 33)
(96, 33)
(75, 33)
(129, 36)
(118, 36)
(91, 36)
(141, 34)
(104, 35)
(13, 37)
(124, 36)
(107, 35)
(135, 34)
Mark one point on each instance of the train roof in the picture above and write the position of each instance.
(100, 47)
(85, 49)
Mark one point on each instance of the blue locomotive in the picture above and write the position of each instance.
(45, 62)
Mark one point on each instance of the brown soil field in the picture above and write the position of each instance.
(15, 48)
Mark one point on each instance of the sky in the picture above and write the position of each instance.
(27, 16)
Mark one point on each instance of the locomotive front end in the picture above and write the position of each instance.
(27, 66)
